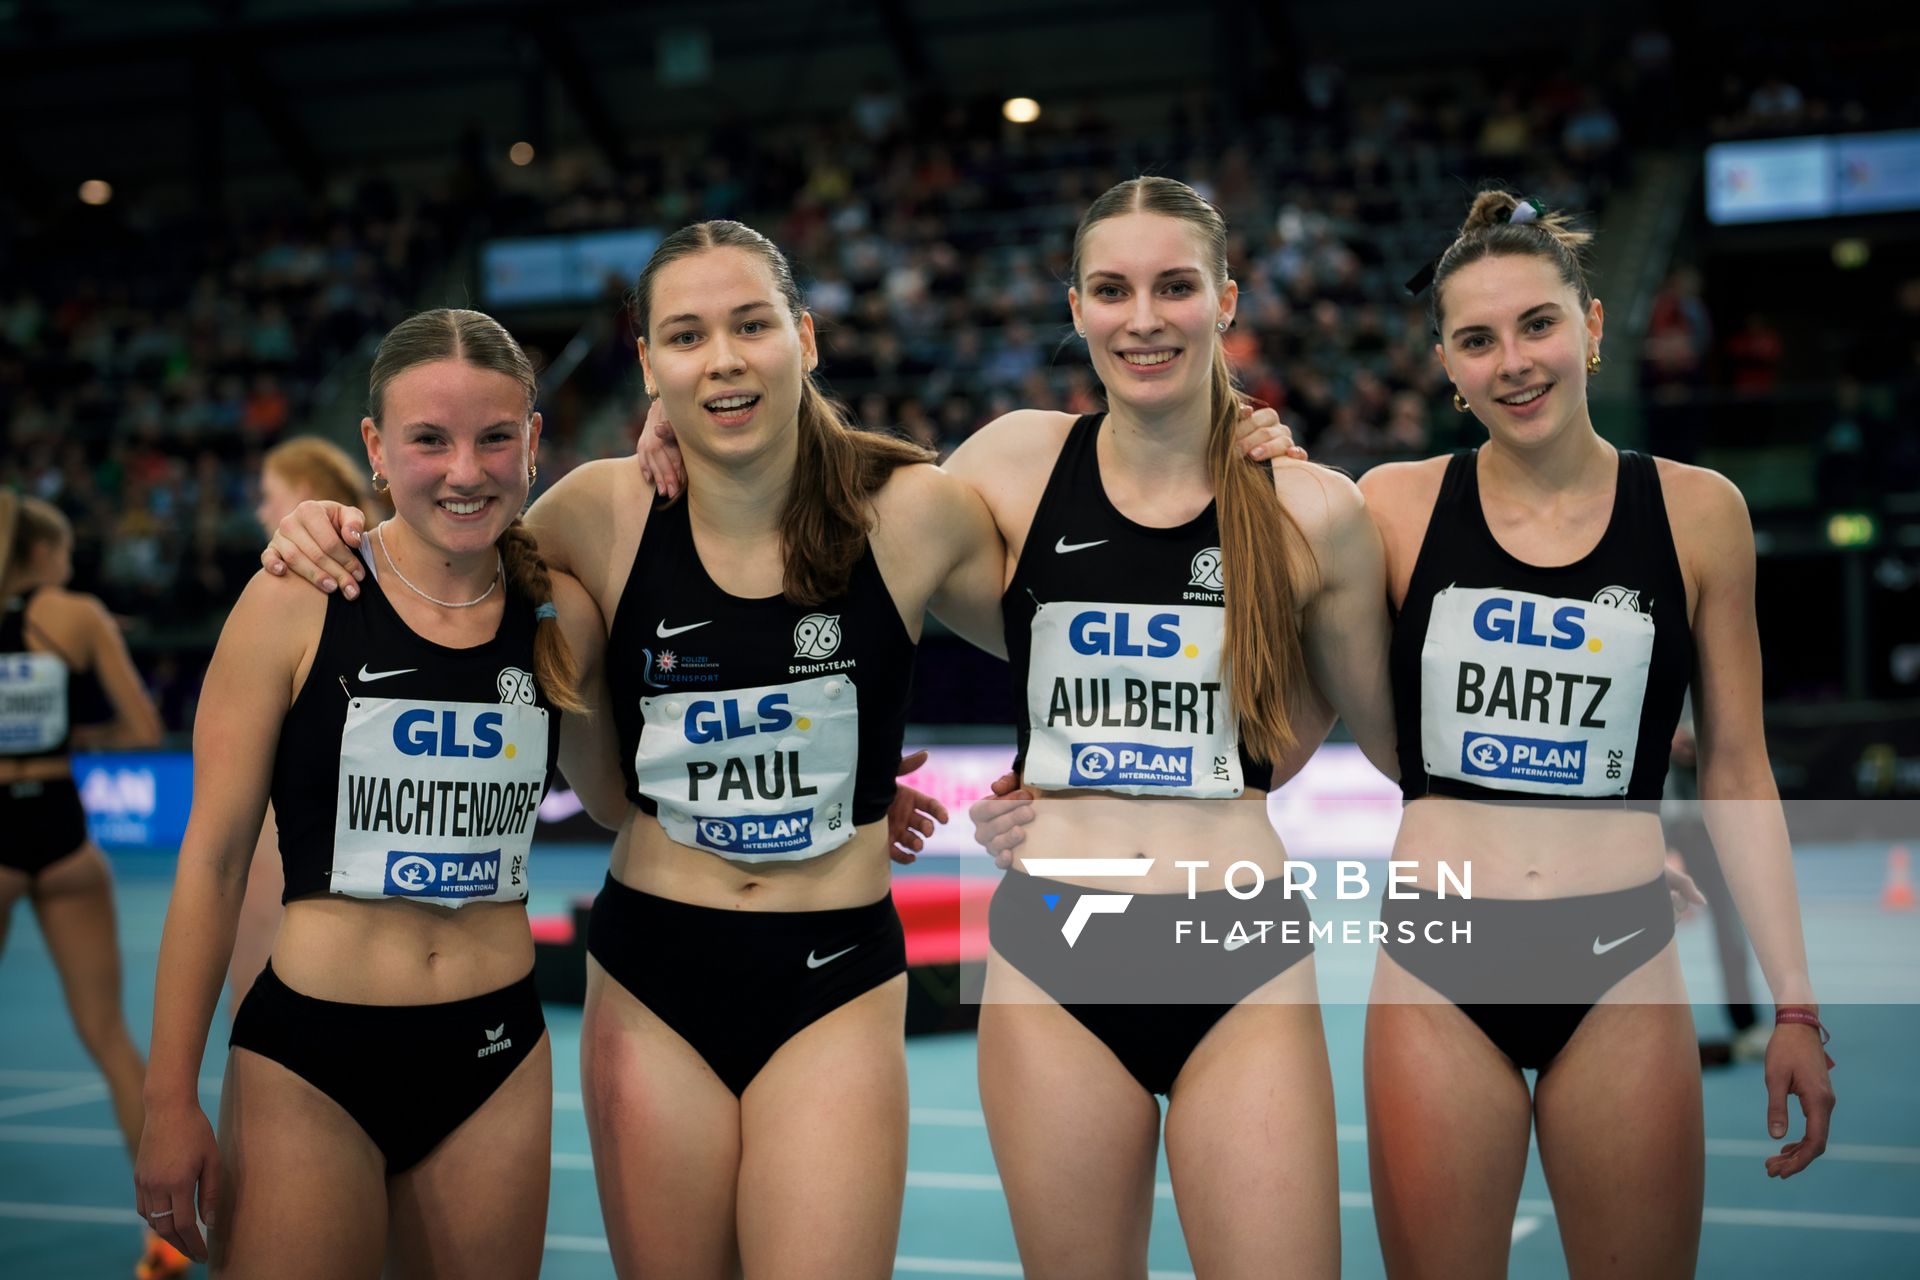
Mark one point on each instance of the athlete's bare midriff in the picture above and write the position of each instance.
(361, 951)
(855, 874)
(1167, 829)
(1530, 851)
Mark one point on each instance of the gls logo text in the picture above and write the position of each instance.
(414, 734)
(1088, 905)
(710, 720)
(1099, 634)
(1497, 620)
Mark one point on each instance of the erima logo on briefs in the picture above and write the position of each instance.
(416, 734)
(772, 833)
(498, 1041)
(1499, 755)
(1129, 764)
(442, 875)
(817, 636)
(1208, 572)
(1498, 620)
(1098, 633)
(1088, 905)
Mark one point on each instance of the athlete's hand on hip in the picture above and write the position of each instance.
(1797, 1065)
(1263, 436)
(177, 1157)
(1680, 886)
(659, 452)
(911, 817)
(316, 541)
(999, 816)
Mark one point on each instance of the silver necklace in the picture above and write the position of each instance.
(498, 571)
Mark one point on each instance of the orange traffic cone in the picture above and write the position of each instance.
(1898, 895)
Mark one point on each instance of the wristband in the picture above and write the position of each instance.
(1805, 1018)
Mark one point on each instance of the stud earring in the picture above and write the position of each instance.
(1222, 326)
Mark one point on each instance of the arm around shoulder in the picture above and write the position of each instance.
(574, 515)
(1345, 624)
(589, 747)
(1021, 438)
(946, 518)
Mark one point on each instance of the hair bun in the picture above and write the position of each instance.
(1489, 208)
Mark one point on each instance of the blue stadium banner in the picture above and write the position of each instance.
(136, 800)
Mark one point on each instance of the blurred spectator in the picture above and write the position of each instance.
(1753, 356)
(139, 387)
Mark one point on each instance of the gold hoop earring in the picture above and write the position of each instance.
(1593, 363)
(1459, 405)
(380, 484)
(653, 393)
(533, 473)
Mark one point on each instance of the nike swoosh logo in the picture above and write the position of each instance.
(1234, 944)
(368, 677)
(815, 963)
(666, 632)
(1063, 546)
(1601, 949)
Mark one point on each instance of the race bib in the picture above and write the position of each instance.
(438, 800)
(754, 775)
(1532, 693)
(33, 703)
(1130, 699)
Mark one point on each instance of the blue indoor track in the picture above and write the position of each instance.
(66, 1190)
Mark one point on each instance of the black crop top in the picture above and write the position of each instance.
(1513, 680)
(756, 729)
(1116, 633)
(406, 769)
(36, 691)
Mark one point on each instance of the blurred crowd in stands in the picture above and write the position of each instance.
(147, 359)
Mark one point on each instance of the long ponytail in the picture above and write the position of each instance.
(828, 516)
(1261, 552)
(553, 665)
